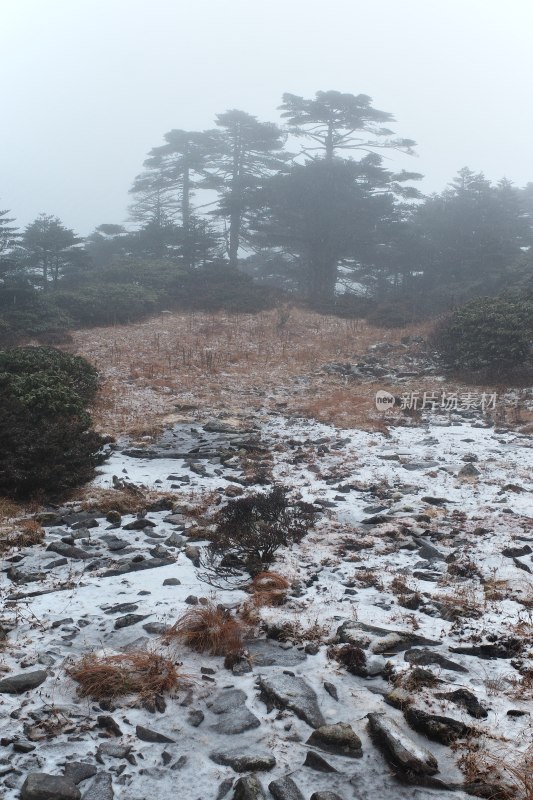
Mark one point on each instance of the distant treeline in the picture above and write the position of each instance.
(234, 216)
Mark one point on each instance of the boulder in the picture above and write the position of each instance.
(401, 751)
(288, 691)
(40, 786)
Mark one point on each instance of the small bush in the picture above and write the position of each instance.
(142, 672)
(217, 288)
(106, 304)
(251, 529)
(48, 444)
(493, 334)
(208, 629)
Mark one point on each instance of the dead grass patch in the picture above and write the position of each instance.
(142, 673)
(24, 533)
(506, 774)
(208, 629)
(269, 589)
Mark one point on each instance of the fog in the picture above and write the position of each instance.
(89, 86)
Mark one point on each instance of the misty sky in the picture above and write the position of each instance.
(89, 86)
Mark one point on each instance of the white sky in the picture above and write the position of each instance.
(89, 86)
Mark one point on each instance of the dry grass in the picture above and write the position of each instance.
(509, 774)
(203, 362)
(208, 629)
(23, 533)
(142, 673)
(269, 589)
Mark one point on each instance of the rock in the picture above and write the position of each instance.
(399, 748)
(505, 648)
(158, 628)
(148, 735)
(244, 761)
(266, 653)
(235, 717)
(195, 717)
(191, 600)
(114, 517)
(285, 789)
(113, 750)
(427, 551)
(14, 684)
(129, 619)
(516, 552)
(40, 786)
(69, 551)
(78, 771)
(467, 700)
(325, 796)
(121, 608)
(289, 691)
(415, 466)
(136, 566)
(339, 739)
(435, 501)
(331, 689)
(114, 543)
(224, 788)
(175, 540)
(101, 788)
(171, 582)
(249, 788)
(193, 553)
(468, 471)
(441, 729)
(138, 525)
(424, 657)
(392, 641)
(315, 761)
(107, 722)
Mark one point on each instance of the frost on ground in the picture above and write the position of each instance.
(410, 600)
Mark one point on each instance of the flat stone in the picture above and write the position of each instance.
(266, 653)
(516, 552)
(114, 543)
(114, 750)
(41, 786)
(290, 691)
(171, 582)
(402, 751)
(138, 525)
(195, 717)
(69, 551)
(14, 684)
(244, 761)
(235, 717)
(155, 627)
(78, 771)
(388, 641)
(121, 608)
(249, 788)
(339, 739)
(148, 735)
(101, 788)
(325, 796)
(129, 619)
(285, 789)
(138, 566)
(424, 657)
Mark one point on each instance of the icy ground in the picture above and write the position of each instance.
(342, 571)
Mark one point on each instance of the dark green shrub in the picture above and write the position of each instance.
(396, 314)
(106, 303)
(218, 288)
(493, 334)
(47, 444)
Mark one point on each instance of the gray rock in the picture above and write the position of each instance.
(249, 788)
(316, 762)
(78, 771)
(171, 582)
(121, 608)
(388, 641)
(266, 653)
(427, 551)
(325, 796)
(244, 761)
(113, 542)
(516, 552)
(155, 627)
(468, 471)
(193, 553)
(290, 691)
(424, 657)
(148, 735)
(416, 466)
(285, 789)
(195, 717)
(399, 748)
(175, 540)
(224, 788)
(69, 551)
(138, 525)
(40, 786)
(137, 566)
(101, 788)
(113, 750)
(23, 682)
(339, 739)
(234, 715)
(129, 619)
(331, 689)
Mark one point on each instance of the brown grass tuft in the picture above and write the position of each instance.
(208, 629)
(269, 589)
(142, 672)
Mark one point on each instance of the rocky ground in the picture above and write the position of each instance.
(400, 664)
